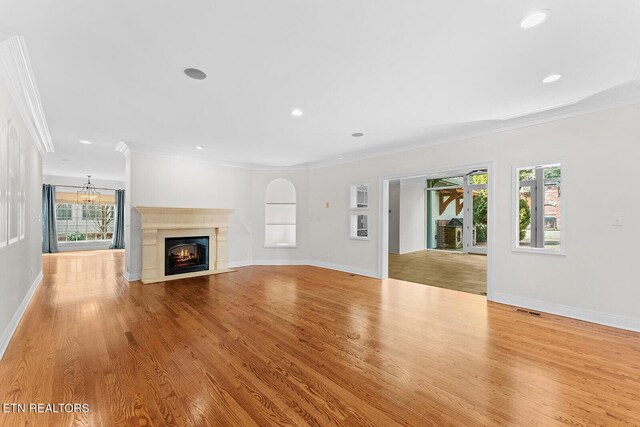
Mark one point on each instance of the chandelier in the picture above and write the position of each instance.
(88, 194)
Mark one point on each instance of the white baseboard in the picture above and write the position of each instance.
(280, 262)
(246, 263)
(330, 266)
(131, 277)
(15, 320)
(345, 268)
(236, 264)
(616, 321)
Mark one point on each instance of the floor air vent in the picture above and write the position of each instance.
(532, 313)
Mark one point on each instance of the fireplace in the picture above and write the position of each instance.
(186, 254)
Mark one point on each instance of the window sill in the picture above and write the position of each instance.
(83, 242)
(280, 246)
(538, 251)
(359, 238)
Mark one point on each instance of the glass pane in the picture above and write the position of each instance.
(552, 218)
(526, 174)
(552, 172)
(445, 219)
(480, 210)
(524, 217)
(481, 178)
(455, 181)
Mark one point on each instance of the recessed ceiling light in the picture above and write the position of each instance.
(85, 142)
(199, 147)
(357, 134)
(552, 78)
(194, 73)
(296, 112)
(534, 19)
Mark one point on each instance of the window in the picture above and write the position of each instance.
(454, 181)
(359, 196)
(82, 222)
(538, 208)
(63, 212)
(280, 214)
(90, 212)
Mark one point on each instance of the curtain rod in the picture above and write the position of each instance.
(78, 186)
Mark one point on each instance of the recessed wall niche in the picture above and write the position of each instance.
(359, 196)
(359, 227)
(280, 214)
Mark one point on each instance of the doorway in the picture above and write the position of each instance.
(435, 229)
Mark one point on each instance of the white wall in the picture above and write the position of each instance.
(394, 217)
(20, 262)
(412, 222)
(599, 152)
(592, 281)
(172, 182)
(166, 181)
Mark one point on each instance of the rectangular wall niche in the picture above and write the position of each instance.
(280, 215)
(359, 229)
(359, 196)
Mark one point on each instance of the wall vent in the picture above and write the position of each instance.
(532, 313)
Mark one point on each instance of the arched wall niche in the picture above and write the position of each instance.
(280, 214)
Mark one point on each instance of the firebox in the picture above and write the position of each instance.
(186, 254)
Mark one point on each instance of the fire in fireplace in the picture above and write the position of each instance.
(186, 254)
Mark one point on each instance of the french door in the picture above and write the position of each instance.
(476, 206)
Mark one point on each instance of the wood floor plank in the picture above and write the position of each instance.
(302, 345)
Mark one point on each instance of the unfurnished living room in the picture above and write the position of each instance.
(319, 213)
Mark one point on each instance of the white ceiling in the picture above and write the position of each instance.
(398, 71)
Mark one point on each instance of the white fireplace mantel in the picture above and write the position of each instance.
(159, 223)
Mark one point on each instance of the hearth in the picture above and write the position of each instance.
(186, 254)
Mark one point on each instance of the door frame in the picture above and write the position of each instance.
(383, 213)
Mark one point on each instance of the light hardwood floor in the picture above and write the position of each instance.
(457, 271)
(304, 346)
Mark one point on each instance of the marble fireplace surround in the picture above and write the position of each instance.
(158, 223)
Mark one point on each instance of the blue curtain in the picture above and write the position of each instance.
(49, 234)
(118, 230)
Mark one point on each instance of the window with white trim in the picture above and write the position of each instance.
(538, 213)
(79, 222)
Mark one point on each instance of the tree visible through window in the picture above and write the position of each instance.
(84, 222)
(539, 207)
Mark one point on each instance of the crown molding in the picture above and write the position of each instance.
(566, 110)
(153, 151)
(621, 96)
(16, 69)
